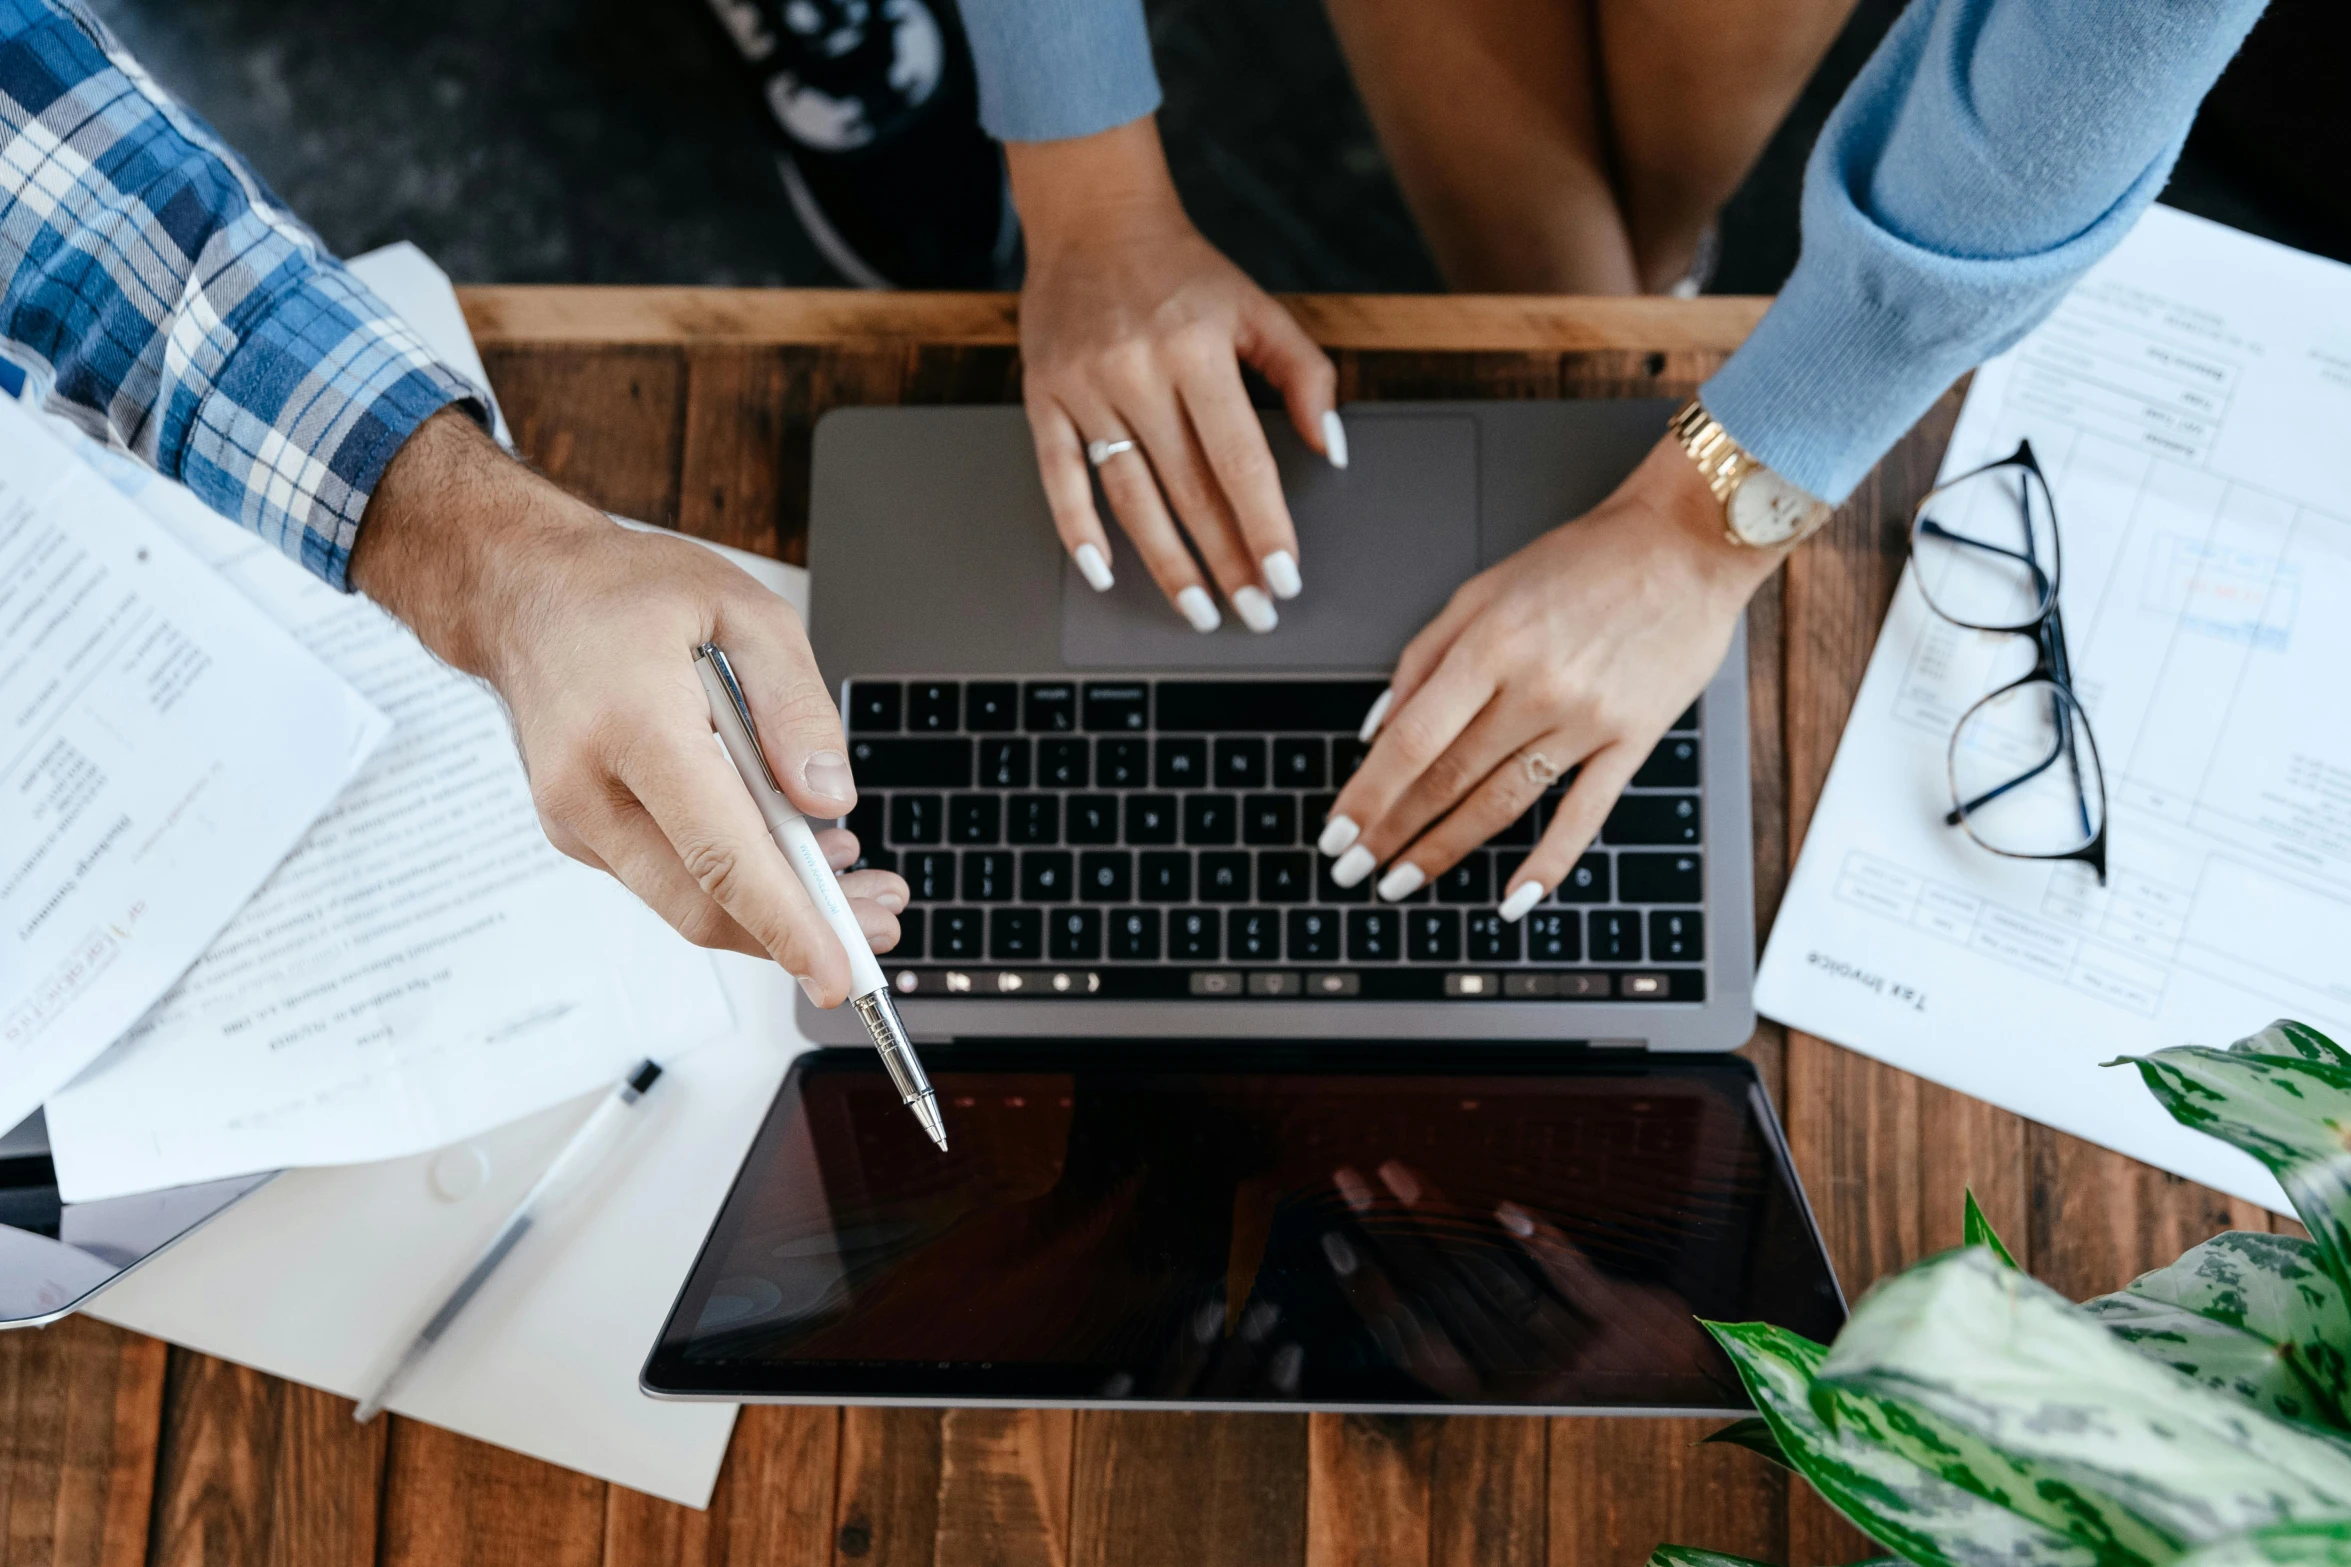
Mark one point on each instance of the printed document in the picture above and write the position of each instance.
(162, 746)
(2188, 402)
(423, 967)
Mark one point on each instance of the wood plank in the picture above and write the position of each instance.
(886, 1513)
(1004, 1478)
(2100, 1220)
(1369, 1483)
(731, 460)
(506, 317)
(1154, 1489)
(450, 1501)
(254, 1469)
(81, 1404)
(1489, 1496)
(774, 1502)
(608, 424)
(1621, 1488)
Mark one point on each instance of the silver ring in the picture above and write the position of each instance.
(1100, 452)
(1539, 770)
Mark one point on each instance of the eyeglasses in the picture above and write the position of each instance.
(2025, 777)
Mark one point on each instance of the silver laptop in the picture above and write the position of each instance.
(1108, 819)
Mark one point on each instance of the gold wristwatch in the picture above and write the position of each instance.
(1760, 510)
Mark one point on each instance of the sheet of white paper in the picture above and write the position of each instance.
(316, 1275)
(162, 747)
(2188, 402)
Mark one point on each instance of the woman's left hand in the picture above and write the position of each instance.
(1576, 652)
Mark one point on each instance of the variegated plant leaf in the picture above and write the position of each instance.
(2325, 1544)
(2286, 1037)
(2085, 1435)
(2248, 1313)
(1753, 1434)
(1907, 1508)
(2291, 1112)
(1976, 1230)
(1693, 1556)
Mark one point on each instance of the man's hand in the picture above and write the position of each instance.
(1575, 652)
(1133, 328)
(588, 632)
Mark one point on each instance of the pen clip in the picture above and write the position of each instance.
(717, 659)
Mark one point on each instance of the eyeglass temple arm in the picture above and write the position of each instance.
(1934, 529)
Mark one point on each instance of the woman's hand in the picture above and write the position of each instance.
(1576, 652)
(1133, 329)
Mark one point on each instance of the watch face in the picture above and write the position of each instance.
(1766, 509)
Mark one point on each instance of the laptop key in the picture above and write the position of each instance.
(1075, 935)
(1587, 882)
(955, 934)
(1180, 764)
(1660, 878)
(1004, 764)
(1347, 754)
(1675, 936)
(1520, 834)
(1555, 936)
(1673, 765)
(1433, 935)
(910, 764)
(1329, 891)
(1211, 818)
(1192, 936)
(874, 706)
(1616, 936)
(1284, 877)
(1472, 881)
(910, 934)
(1224, 876)
(987, 876)
(974, 818)
(1653, 818)
(1093, 818)
(991, 706)
(1116, 706)
(1300, 763)
(1265, 706)
(1061, 764)
(1688, 721)
(1269, 819)
(1253, 936)
(1134, 935)
(1163, 877)
(1374, 935)
(1033, 818)
(1489, 938)
(930, 875)
(1314, 935)
(1106, 876)
(917, 818)
(1046, 876)
(867, 821)
(1049, 707)
(933, 706)
(1016, 935)
(1122, 764)
(1240, 764)
(1151, 818)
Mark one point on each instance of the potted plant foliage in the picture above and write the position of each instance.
(1969, 1416)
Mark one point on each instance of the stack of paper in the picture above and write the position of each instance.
(2188, 402)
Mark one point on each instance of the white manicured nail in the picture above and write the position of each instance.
(1093, 568)
(1402, 881)
(1256, 610)
(1338, 836)
(1199, 609)
(1334, 439)
(1373, 719)
(1353, 866)
(1522, 898)
(1281, 574)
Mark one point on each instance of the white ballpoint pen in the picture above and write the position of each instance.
(869, 991)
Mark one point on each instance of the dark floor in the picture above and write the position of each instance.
(614, 141)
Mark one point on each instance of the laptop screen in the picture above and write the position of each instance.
(1219, 1224)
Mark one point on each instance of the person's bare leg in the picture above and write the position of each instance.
(1488, 111)
(1692, 90)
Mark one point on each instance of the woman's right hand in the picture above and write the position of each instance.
(1134, 328)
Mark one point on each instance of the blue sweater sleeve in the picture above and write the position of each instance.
(1987, 155)
(1053, 69)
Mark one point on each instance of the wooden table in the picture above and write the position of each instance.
(693, 407)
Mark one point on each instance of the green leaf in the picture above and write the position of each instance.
(1753, 1434)
(1692, 1556)
(2325, 1544)
(1976, 1230)
(1924, 1518)
(2249, 1313)
(2288, 1038)
(2292, 1112)
(2010, 1391)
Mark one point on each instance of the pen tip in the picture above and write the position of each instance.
(926, 1110)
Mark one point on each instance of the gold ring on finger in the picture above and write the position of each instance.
(1539, 769)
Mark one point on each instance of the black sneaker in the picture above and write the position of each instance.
(882, 155)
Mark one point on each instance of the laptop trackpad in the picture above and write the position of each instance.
(1381, 544)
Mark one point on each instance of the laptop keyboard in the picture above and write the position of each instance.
(1154, 839)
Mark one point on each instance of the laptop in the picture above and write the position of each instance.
(1225, 1134)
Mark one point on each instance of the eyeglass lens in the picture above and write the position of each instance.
(1985, 547)
(2024, 772)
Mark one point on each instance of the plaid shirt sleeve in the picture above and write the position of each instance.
(154, 292)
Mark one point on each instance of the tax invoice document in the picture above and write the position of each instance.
(162, 746)
(2190, 402)
(424, 967)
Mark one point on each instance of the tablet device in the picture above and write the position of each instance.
(1244, 1224)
